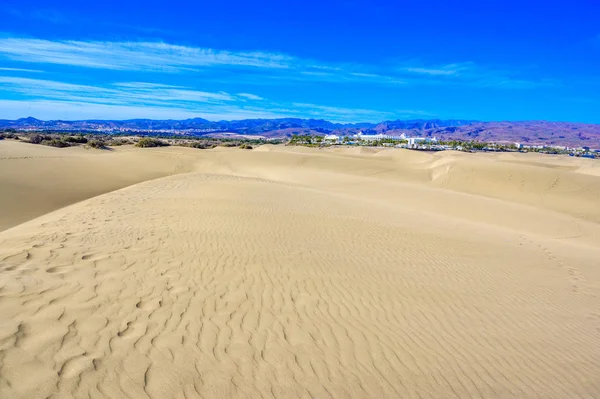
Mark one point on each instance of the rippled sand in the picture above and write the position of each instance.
(293, 272)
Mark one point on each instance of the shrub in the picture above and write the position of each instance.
(96, 144)
(246, 147)
(201, 145)
(228, 144)
(147, 142)
(9, 136)
(118, 142)
(38, 138)
(55, 143)
(75, 139)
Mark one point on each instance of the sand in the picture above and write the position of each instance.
(38, 179)
(288, 272)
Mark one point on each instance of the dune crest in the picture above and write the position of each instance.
(286, 272)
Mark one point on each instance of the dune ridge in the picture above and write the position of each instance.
(38, 179)
(294, 272)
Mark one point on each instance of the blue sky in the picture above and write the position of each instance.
(345, 61)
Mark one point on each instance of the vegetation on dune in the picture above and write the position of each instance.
(61, 139)
(97, 144)
(9, 134)
(38, 138)
(101, 140)
(55, 143)
(119, 142)
(148, 142)
(306, 140)
(208, 143)
(202, 145)
(75, 139)
(58, 141)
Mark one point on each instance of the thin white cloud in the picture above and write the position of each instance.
(444, 70)
(413, 113)
(21, 70)
(339, 114)
(249, 67)
(77, 110)
(119, 94)
(60, 100)
(70, 110)
(150, 56)
(145, 85)
(435, 72)
(365, 75)
(250, 96)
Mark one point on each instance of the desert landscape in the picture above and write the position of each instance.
(284, 272)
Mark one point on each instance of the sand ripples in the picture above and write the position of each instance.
(216, 285)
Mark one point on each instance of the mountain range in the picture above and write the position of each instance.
(527, 132)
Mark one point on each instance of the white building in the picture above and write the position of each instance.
(332, 137)
(380, 136)
(413, 141)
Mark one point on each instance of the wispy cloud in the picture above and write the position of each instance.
(154, 100)
(341, 114)
(21, 70)
(358, 114)
(469, 74)
(152, 56)
(74, 110)
(444, 70)
(245, 65)
(250, 96)
(119, 93)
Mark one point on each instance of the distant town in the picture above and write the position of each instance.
(433, 144)
(574, 139)
(529, 134)
(158, 138)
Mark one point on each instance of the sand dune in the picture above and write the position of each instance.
(292, 272)
(38, 179)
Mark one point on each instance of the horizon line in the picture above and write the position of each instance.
(470, 121)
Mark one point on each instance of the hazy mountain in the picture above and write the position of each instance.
(247, 125)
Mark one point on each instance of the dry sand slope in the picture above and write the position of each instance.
(37, 179)
(288, 272)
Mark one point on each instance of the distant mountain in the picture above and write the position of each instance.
(247, 126)
(132, 124)
(529, 132)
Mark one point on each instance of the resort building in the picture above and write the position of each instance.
(332, 137)
(414, 141)
(380, 136)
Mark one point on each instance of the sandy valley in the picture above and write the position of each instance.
(284, 272)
